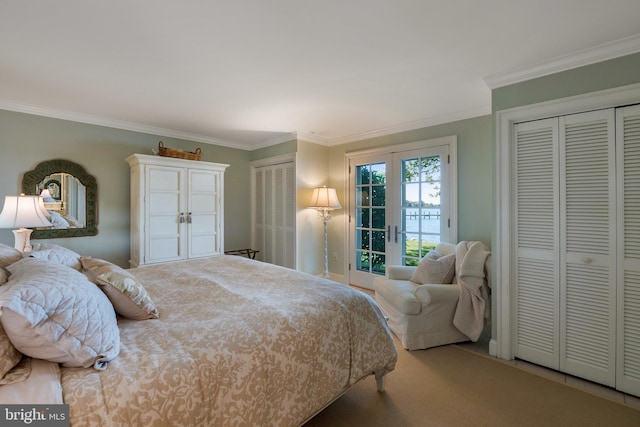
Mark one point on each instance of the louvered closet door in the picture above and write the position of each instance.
(628, 327)
(274, 214)
(536, 242)
(587, 248)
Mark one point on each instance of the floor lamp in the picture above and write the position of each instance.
(324, 200)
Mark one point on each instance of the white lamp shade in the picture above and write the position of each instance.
(46, 196)
(324, 198)
(23, 211)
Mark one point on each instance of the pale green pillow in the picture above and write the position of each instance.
(129, 298)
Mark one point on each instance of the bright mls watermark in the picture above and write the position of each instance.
(34, 415)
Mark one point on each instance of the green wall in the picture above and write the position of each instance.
(27, 140)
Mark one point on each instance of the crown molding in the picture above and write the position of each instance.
(313, 138)
(577, 59)
(414, 125)
(284, 137)
(117, 124)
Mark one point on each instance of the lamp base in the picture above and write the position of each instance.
(23, 239)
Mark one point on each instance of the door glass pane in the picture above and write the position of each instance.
(370, 222)
(420, 207)
(362, 217)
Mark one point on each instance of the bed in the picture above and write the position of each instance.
(235, 342)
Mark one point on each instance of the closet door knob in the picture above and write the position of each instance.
(181, 218)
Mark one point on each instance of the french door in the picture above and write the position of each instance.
(400, 207)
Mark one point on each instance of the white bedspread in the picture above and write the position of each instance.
(238, 343)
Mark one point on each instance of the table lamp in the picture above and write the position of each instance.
(23, 211)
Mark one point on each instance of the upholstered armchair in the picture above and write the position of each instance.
(421, 315)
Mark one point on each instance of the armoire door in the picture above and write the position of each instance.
(203, 233)
(164, 234)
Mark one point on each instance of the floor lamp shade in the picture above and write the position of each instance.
(324, 198)
(21, 212)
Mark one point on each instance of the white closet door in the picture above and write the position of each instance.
(628, 327)
(288, 203)
(258, 231)
(274, 213)
(587, 249)
(536, 214)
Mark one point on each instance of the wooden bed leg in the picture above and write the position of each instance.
(380, 377)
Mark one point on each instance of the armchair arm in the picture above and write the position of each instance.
(399, 272)
(437, 294)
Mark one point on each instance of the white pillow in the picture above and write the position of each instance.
(435, 269)
(53, 312)
(55, 253)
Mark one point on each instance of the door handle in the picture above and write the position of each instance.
(388, 233)
(189, 218)
(396, 238)
(181, 219)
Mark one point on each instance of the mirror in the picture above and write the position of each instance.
(69, 195)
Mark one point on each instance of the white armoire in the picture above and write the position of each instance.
(576, 241)
(177, 209)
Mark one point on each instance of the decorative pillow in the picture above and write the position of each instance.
(9, 255)
(129, 298)
(53, 312)
(435, 269)
(57, 254)
(9, 356)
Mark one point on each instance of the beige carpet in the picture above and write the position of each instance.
(451, 386)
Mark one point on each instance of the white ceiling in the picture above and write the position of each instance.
(250, 73)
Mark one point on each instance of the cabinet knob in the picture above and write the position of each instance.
(181, 217)
(587, 260)
(189, 218)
